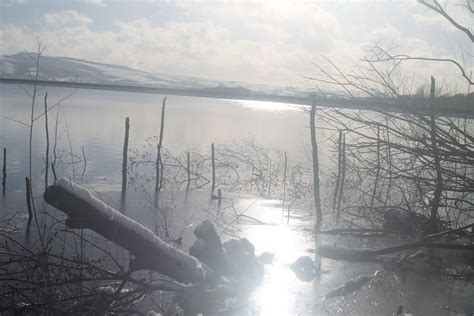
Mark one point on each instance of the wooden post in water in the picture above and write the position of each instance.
(314, 146)
(213, 168)
(159, 163)
(188, 170)
(339, 169)
(54, 172)
(284, 186)
(125, 156)
(28, 199)
(47, 141)
(343, 174)
(4, 170)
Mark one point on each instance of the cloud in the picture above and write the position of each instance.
(432, 19)
(9, 3)
(99, 3)
(65, 18)
(273, 43)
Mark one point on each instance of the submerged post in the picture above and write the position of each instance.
(284, 186)
(28, 199)
(314, 146)
(46, 172)
(339, 169)
(125, 156)
(343, 175)
(4, 170)
(159, 163)
(213, 168)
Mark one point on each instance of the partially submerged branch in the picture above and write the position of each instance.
(349, 254)
(150, 251)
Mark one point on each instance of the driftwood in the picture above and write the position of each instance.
(350, 286)
(351, 254)
(151, 252)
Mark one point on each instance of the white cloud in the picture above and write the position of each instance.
(99, 3)
(65, 18)
(455, 9)
(270, 43)
(9, 3)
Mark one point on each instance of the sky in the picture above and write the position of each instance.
(277, 43)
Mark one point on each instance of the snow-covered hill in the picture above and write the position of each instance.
(22, 66)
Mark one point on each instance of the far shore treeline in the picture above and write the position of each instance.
(455, 105)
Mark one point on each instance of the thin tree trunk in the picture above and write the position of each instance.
(55, 156)
(338, 179)
(85, 163)
(389, 161)
(439, 178)
(314, 146)
(343, 173)
(71, 153)
(377, 171)
(53, 169)
(47, 141)
(28, 199)
(125, 156)
(284, 187)
(159, 169)
(4, 171)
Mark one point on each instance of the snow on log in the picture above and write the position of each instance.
(151, 252)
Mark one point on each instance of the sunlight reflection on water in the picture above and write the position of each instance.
(281, 293)
(269, 106)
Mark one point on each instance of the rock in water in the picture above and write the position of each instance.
(208, 248)
(267, 257)
(304, 268)
(248, 246)
(242, 260)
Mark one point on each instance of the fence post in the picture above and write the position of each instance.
(125, 156)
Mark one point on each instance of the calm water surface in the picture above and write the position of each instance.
(94, 120)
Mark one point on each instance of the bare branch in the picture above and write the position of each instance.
(438, 8)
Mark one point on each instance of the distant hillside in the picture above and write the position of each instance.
(21, 66)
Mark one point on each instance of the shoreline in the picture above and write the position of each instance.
(341, 103)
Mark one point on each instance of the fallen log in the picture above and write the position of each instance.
(354, 254)
(151, 252)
